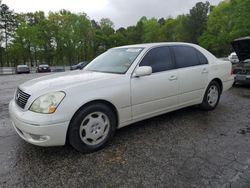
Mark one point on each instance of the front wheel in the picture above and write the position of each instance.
(92, 127)
(212, 96)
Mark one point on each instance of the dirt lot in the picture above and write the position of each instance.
(185, 148)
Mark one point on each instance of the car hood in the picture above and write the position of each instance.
(59, 81)
(242, 48)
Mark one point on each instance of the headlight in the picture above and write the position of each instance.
(47, 104)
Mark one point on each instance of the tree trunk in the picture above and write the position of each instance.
(6, 44)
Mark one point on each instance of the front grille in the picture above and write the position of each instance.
(21, 98)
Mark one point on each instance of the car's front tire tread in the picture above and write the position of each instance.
(73, 132)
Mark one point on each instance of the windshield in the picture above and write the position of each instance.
(116, 60)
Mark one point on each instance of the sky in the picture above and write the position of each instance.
(122, 12)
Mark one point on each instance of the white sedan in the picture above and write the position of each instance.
(122, 86)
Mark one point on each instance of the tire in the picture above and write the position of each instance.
(211, 97)
(92, 127)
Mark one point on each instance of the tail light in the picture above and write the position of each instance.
(232, 71)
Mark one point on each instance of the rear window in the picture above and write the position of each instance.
(202, 58)
(43, 65)
(22, 66)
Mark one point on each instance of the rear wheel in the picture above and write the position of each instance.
(92, 127)
(212, 96)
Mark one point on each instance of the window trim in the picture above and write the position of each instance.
(172, 58)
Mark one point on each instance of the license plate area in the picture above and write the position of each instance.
(240, 77)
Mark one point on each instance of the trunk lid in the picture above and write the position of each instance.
(242, 48)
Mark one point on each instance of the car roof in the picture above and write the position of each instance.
(22, 65)
(150, 45)
(243, 38)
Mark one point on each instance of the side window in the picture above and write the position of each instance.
(159, 59)
(185, 56)
(202, 58)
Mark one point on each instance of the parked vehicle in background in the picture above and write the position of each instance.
(122, 86)
(22, 69)
(242, 69)
(233, 58)
(43, 68)
(79, 66)
(58, 69)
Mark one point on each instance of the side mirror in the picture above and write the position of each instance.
(143, 71)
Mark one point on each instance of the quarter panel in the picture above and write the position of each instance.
(192, 83)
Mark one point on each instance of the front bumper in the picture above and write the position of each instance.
(37, 134)
(44, 70)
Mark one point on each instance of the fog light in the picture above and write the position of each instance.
(39, 137)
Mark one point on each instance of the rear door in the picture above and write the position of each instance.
(157, 92)
(193, 72)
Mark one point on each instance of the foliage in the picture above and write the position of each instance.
(66, 38)
(228, 21)
(197, 21)
(8, 25)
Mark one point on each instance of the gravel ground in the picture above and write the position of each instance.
(185, 148)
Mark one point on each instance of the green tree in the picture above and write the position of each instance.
(72, 36)
(8, 26)
(168, 30)
(161, 21)
(151, 30)
(134, 34)
(119, 37)
(30, 38)
(105, 34)
(197, 21)
(227, 21)
(175, 30)
(65, 38)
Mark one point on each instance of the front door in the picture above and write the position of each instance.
(157, 92)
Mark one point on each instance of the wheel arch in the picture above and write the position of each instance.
(99, 101)
(218, 80)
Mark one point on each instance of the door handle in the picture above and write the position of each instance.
(204, 71)
(173, 77)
